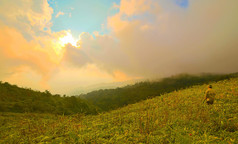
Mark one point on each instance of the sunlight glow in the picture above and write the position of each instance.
(68, 39)
(61, 41)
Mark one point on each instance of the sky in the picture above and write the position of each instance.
(63, 46)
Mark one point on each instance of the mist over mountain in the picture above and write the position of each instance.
(84, 90)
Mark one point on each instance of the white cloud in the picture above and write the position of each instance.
(59, 14)
(163, 42)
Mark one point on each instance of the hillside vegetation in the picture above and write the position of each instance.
(176, 117)
(20, 100)
(110, 99)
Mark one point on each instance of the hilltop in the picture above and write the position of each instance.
(21, 100)
(176, 117)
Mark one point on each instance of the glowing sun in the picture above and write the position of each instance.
(68, 39)
(60, 43)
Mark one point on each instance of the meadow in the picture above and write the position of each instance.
(176, 117)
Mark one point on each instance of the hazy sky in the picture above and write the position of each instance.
(63, 45)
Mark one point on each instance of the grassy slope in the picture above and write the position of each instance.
(177, 117)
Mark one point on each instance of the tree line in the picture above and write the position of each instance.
(109, 99)
(21, 100)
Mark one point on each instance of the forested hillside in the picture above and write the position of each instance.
(20, 100)
(110, 99)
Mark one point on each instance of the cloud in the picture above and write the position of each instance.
(59, 14)
(105, 51)
(146, 39)
(27, 50)
(150, 40)
(132, 7)
(121, 77)
(69, 78)
(29, 17)
(17, 52)
(74, 57)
